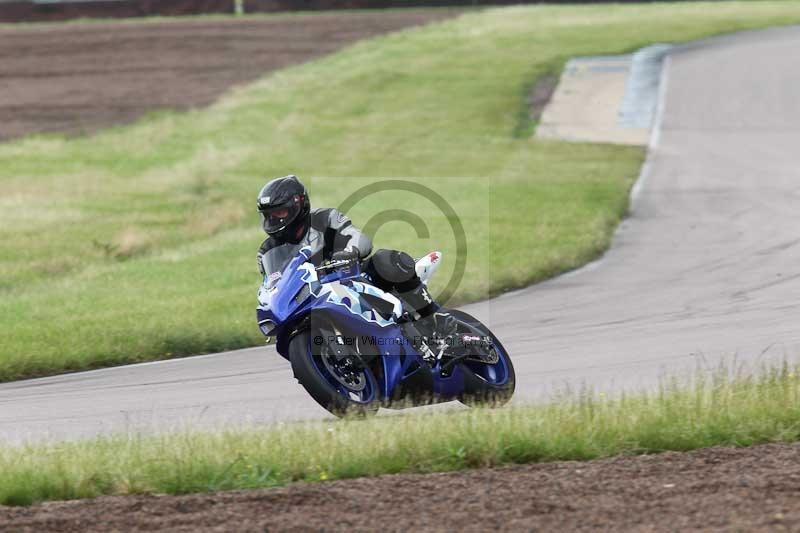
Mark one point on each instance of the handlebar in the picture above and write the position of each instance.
(332, 265)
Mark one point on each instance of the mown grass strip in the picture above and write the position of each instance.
(138, 243)
(724, 410)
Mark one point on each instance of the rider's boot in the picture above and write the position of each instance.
(417, 339)
(429, 317)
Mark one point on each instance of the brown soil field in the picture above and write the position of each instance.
(78, 78)
(717, 489)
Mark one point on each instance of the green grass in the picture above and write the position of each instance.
(724, 411)
(138, 243)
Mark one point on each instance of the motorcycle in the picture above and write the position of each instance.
(349, 346)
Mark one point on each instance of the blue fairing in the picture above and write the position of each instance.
(299, 291)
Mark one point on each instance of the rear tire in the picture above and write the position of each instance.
(478, 391)
(308, 374)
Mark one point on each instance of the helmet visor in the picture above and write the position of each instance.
(279, 216)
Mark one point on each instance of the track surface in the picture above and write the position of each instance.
(77, 78)
(717, 489)
(705, 267)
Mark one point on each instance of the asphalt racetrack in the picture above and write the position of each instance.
(706, 267)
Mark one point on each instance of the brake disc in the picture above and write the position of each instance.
(343, 372)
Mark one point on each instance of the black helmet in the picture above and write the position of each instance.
(284, 207)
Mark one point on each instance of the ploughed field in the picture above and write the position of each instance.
(78, 78)
(748, 489)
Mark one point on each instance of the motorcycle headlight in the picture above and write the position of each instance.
(266, 327)
(264, 296)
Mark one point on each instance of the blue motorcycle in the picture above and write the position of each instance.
(349, 346)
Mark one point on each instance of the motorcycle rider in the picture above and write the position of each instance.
(288, 219)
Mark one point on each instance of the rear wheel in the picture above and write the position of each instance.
(489, 377)
(333, 375)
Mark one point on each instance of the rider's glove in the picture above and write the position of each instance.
(346, 255)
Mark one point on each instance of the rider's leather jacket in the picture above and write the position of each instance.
(329, 231)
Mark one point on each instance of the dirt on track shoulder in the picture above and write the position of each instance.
(78, 78)
(717, 489)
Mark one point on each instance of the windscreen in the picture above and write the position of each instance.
(276, 259)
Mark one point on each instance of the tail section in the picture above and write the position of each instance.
(426, 266)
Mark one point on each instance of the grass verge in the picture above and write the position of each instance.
(138, 243)
(726, 411)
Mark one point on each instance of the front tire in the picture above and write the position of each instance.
(329, 389)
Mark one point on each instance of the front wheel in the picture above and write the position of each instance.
(489, 378)
(333, 375)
